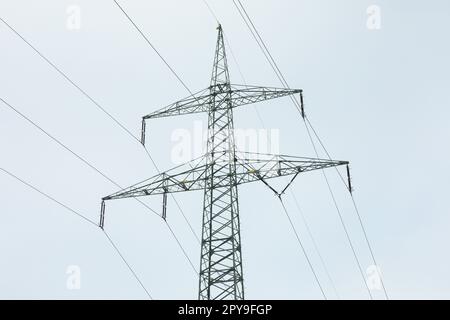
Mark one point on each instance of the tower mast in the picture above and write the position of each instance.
(220, 259)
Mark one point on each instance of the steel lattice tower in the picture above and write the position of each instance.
(221, 261)
(218, 173)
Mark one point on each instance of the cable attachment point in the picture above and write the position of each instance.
(349, 179)
(143, 132)
(279, 196)
(302, 107)
(102, 215)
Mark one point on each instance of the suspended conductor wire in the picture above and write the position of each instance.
(316, 247)
(243, 78)
(263, 48)
(85, 162)
(95, 103)
(182, 249)
(153, 47)
(127, 264)
(69, 150)
(57, 141)
(70, 80)
(363, 228)
(182, 83)
(280, 76)
(257, 35)
(341, 219)
(29, 185)
(279, 195)
(46, 195)
(369, 245)
(283, 80)
(303, 249)
(211, 10)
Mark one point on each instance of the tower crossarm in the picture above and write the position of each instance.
(250, 167)
(201, 101)
(198, 102)
(186, 177)
(255, 166)
(243, 94)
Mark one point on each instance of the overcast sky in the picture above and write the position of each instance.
(376, 91)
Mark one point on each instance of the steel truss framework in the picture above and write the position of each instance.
(218, 173)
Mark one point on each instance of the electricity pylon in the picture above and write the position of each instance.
(218, 173)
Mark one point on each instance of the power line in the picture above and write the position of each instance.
(58, 142)
(127, 264)
(48, 196)
(283, 80)
(53, 65)
(153, 47)
(185, 218)
(369, 245)
(69, 150)
(303, 248)
(243, 79)
(70, 80)
(298, 237)
(363, 228)
(262, 123)
(211, 10)
(85, 162)
(280, 76)
(182, 249)
(263, 48)
(352, 198)
(316, 247)
(341, 219)
(79, 215)
(183, 84)
(95, 103)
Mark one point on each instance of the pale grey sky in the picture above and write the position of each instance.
(378, 98)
